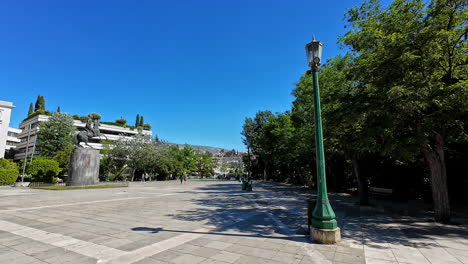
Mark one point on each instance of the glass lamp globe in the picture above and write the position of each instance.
(314, 52)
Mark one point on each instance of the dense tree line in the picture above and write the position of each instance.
(394, 108)
(146, 158)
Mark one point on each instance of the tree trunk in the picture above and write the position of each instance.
(436, 161)
(133, 174)
(265, 173)
(363, 189)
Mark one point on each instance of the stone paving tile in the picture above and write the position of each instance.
(226, 256)
(151, 261)
(384, 254)
(348, 258)
(410, 255)
(251, 260)
(51, 253)
(379, 261)
(167, 255)
(186, 248)
(438, 256)
(188, 259)
(287, 258)
(205, 252)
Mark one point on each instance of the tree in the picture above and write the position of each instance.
(40, 103)
(31, 109)
(137, 154)
(114, 160)
(121, 121)
(414, 57)
(95, 116)
(253, 137)
(147, 126)
(205, 163)
(58, 109)
(63, 158)
(142, 121)
(137, 120)
(55, 134)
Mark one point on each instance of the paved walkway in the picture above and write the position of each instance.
(207, 222)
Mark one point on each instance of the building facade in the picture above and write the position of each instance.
(12, 138)
(5, 114)
(29, 128)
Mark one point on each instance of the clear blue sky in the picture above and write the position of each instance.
(193, 69)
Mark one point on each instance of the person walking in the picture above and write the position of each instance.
(181, 179)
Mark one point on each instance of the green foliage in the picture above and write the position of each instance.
(76, 117)
(117, 124)
(137, 120)
(38, 112)
(94, 116)
(399, 95)
(58, 109)
(8, 176)
(43, 169)
(205, 163)
(114, 160)
(40, 103)
(55, 134)
(121, 121)
(63, 158)
(8, 164)
(31, 109)
(142, 121)
(147, 126)
(84, 119)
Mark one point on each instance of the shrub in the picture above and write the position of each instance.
(147, 127)
(8, 176)
(117, 124)
(121, 121)
(94, 116)
(38, 112)
(42, 167)
(76, 117)
(7, 164)
(84, 119)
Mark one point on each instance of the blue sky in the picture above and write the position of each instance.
(193, 69)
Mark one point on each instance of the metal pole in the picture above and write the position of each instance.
(33, 149)
(323, 216)
(26, 154)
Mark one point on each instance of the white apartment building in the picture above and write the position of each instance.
(7, 139)
(30, 126)
(12, 138)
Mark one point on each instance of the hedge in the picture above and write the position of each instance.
(8, 176)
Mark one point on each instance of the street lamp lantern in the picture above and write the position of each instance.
(323, 225)
(314, 53)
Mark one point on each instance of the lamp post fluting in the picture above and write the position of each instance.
(324, 226)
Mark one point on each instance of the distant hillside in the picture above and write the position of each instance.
(212, 150)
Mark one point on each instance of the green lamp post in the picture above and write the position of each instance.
(324, 228)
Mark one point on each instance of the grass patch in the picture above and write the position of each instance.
(61, 188)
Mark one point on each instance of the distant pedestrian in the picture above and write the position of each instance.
(181, 179)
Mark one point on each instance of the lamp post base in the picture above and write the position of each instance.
(325, 236)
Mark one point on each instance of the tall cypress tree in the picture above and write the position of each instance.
(31, 109)
(58, 109)
(141, 121)
(43, 103)
(37, 106)
(137, 121)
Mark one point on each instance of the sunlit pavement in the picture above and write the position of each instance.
(153, 222)
(203, 222)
